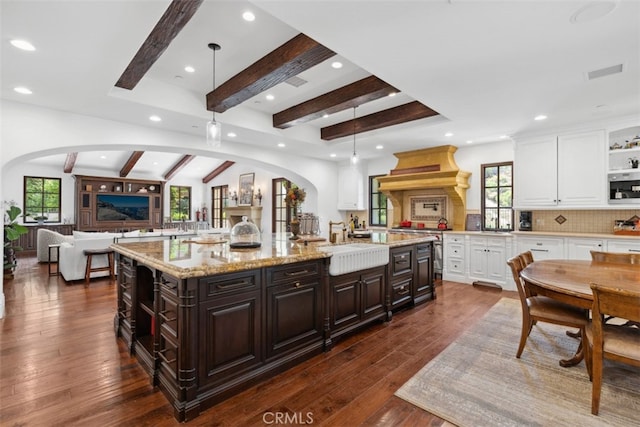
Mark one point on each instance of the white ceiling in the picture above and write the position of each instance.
(488, 67)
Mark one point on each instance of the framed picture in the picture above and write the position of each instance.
(245, 189)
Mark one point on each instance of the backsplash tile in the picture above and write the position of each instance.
(582, 221)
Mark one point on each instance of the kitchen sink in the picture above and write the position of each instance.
(355, 257)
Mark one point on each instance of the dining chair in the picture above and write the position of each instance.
(614, 342)
(616, 257)
(544, 309)
(526, 257)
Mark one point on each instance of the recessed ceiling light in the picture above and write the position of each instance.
(103, 157)
(281, 144)
(540, 117)
(469, 141)
(231, 135)
(249, 16)
(336, 64)
(155, 163)
(392, 94)
(592, 11)
(325, 115)
(155, 118)
(379, 147)
(332, 155)
(23, 44)
(23, 90)
(503, 137)
(448, 134)
(189, 69)
(270, 97)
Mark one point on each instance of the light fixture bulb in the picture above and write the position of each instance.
(354, 159)
(214, 134)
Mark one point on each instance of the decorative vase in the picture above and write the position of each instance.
(294, 225)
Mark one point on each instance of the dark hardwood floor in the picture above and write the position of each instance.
(61, 365)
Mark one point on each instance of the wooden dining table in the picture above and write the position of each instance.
(570, 281)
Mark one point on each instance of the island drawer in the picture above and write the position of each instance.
(292, 272)
(169, 284)
(401, 261)
(230, 283)
(401, 292)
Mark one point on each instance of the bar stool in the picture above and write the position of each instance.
(90, 269)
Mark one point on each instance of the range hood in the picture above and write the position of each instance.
(430, 170)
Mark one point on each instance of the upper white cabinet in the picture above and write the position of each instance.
(564, 171)
(624, 144)
(350, 189)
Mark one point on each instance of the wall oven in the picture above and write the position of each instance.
(624, 188)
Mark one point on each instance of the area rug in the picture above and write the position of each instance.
(477, 380)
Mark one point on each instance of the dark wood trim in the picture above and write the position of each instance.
(392, 116)
(349, 96)
(170, 24)
(292, 58)
(419, 169)
(217, 171)
(70, 162)
(130, 163)
(184, 161)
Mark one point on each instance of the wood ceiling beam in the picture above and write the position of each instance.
(217, 171)
(292, 58)
(170, 24)
(130, 163)
(184, 161)
(392, 116)
(70, 162)
(349, 96)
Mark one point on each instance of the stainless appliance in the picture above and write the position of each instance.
(525, 221)
(624, 188)
(437, 244)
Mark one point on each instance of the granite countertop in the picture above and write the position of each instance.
(547, 234)
(185, 258)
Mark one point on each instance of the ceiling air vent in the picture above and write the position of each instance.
(295, 81)
(604, 72)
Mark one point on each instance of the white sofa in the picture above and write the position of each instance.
(73, 261)
(46, 237)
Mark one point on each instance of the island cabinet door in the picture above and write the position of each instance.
(345, 301)
(230, 333)
(373, 285)
(294, 309)
(424, 273)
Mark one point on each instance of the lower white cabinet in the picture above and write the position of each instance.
(623, 245)
(454, 252)
(487, 259)
(541, 247)
(579, 248)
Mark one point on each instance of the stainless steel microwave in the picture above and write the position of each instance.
(624, 188)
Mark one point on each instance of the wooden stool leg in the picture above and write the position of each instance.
(111, 264)
(87, 272)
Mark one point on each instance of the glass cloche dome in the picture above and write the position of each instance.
(244, 234)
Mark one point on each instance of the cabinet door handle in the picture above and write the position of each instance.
(296, 273)
(233, 285)
(170, 285)
(403, 291)
(634, 250)
(297, 285)
(539, 250)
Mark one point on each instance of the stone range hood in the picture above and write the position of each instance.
(427, 171)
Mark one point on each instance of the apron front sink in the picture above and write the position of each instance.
(355, 257)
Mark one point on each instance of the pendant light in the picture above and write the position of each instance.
(214, 129)
(354, 156)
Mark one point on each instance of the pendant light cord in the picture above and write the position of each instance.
(354, 131)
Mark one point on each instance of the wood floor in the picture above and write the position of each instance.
(61, 365)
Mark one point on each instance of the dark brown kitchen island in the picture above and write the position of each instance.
(206, 321)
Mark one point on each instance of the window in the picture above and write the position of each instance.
(42, 198)
(281, 216)
(219, 201)
(497, 199)
(180, 203)
(377, 203)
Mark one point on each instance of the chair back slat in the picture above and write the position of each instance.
(616, 302)
(615, 257)
(517, 266)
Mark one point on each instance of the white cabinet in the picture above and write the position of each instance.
(350, 188)
(541, 247)
(454, 257)
(623, 245)
(487, 259)
(564, 171)
(579, 248)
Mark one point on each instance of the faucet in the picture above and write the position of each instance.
(332, 235)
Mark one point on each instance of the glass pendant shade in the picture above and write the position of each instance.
(214, 133)
(354, 159)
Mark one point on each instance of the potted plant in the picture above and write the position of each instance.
(12, 232)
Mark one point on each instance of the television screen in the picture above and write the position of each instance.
(115, 207)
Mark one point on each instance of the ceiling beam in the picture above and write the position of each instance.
(70, 162)
(184, 161)
(217, 171)
(130, 163)
(170, 24)
(349, 96)
(392, 116)
(292, 58)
